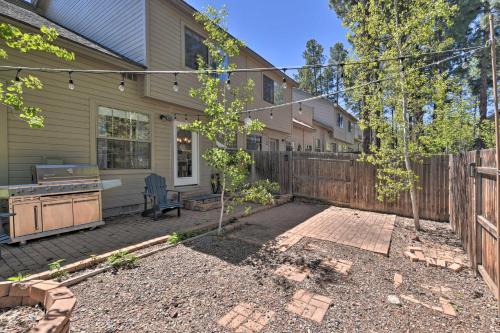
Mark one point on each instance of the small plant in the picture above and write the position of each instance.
(58, 273)
(93, 259)
(18, 277)
(180, 236)
(122, 259)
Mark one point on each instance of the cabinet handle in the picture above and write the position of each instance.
(85, 200)
(36, 217)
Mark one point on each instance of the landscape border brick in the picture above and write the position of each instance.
(58, 302)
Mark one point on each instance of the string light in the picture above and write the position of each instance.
(284, 85)
(248, 119)
(300, 108)
(71, 84)
(175, 87)
(17, 75)
(186, 117)
(121, 87)
(228, 82)
(175, 116)
(271, 114)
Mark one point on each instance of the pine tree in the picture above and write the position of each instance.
(312, 79)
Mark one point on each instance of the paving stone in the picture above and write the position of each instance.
(448, 309)
(340, 266)
(246, 317)
(309, 305)
(293, 273)
(398, 279)
(455, 267)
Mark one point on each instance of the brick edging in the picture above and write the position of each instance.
(58, 302)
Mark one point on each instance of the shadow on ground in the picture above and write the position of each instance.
(257, 231)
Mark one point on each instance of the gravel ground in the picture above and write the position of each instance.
(19, 319)
(189, 287)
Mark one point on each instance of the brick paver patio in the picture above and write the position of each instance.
(297, 274)
(117, 233)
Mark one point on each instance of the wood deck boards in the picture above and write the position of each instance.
(365, 230)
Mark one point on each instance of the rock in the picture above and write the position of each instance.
(393, 299)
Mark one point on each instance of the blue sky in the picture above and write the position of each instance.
(279, 29)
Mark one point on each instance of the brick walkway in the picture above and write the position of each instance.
(117, 233)
(365, 230)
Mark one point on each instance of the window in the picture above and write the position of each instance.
(334, 147)
(274, 144)
(194, 48)
(349, 126)
(123, 139)
(289, 146)
(309, 148)
(254, 142)
(272, 91)
(317, 145)
(340, 120)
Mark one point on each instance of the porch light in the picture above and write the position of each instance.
(121, 87)
(71, 84)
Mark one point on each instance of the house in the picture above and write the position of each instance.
(333, 128)
(125, 35)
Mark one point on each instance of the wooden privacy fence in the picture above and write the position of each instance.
(342, 180)
(474, 211)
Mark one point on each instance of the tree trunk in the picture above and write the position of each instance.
(406, 129)
(221, 215)
(483, 88)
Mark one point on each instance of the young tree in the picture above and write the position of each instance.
(11, 93)
(224, 107)
(413, 104)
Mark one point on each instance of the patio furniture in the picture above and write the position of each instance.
(156, 190)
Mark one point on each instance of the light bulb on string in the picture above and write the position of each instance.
(175, 116)
(175, 87)
(284, 84)
(228, 82)
(271, 116)
(300, 108)
(185, 117)
(121, 87)
(71, 84)
(17, 75)
(248, 120)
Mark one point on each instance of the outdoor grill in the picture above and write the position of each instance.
(62, 198)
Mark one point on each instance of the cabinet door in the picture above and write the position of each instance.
(57, 214)
(28, 219)
(87, 209)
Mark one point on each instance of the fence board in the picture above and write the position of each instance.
(341, 179)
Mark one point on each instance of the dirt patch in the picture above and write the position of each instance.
(190, 287)
(20, 319)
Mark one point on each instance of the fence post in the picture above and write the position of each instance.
(252, 172)
(290, 172)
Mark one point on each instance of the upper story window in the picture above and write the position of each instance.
(31, 2)
(349, 126)
(317, 145)
(194, 48)
(340, 120)
(254, 142)
(272, 91)
(123, 139)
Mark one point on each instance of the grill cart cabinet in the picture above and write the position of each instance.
(63, 198)
(27, 219)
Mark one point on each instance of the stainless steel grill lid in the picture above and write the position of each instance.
(47, 173)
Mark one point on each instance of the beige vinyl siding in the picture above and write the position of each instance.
(166, 51)
(116, 24)
(70, 126)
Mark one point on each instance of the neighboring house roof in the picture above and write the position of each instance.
(23, 15)
(302, 124)
(319, 123)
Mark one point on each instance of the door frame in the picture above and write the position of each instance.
(195, 179)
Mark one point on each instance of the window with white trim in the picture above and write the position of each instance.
(123, 139)
(254, 142)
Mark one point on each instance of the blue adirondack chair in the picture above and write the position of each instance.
(156, 191)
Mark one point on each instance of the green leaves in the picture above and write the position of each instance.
(12, 93)
(224, 110)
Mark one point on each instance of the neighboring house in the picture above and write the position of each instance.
(303, 130)
(131, 35)
(335, 129)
